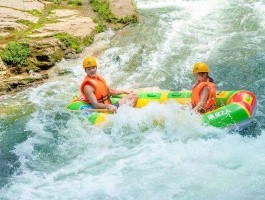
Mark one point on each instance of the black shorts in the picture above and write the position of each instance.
(117, 105)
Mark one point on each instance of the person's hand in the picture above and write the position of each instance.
(127, 91)
(112, 108)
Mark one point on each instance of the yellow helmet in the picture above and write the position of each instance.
(200, 67)
(89, 61)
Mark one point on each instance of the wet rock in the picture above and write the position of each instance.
(20, 82)
(123, 8)
(61, 72)
(35, 75)
(70, 54)
(4, 88)
(2, 65)
(45, 50)
(45, 53)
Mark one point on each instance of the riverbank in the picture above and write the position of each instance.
(35, 35)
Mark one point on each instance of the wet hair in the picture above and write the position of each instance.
(210, 78)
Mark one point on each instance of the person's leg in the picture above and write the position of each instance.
(130, 99)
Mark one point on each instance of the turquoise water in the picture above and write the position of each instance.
(49, 153)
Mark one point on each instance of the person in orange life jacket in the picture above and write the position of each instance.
(95, 91)
(203, 94)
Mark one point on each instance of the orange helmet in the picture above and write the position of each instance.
(200, 67)
(89, 61)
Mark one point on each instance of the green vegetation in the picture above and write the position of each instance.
(75, 2)
(57, 56)
(28, 80)
(101, 27)
(25, 22)
(127, 19)
(102, 8)
(21, 34)
(32, 67)
(69, 41)
(105, 16)
(55, 1)
(87, 41)
(35, 12)
(74, 42)
(48, 20)
(16, 54)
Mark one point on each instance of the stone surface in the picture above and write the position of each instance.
(75, 26)
(123, 8)
(45, 50)
(6, 27)
(9, 18)
(63, 13)
(45, 53)
(33, 74)
(12, 15)
(22, 4)
(2, 66)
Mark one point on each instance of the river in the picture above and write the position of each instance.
(47, 152)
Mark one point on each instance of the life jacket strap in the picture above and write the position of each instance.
(102, 99)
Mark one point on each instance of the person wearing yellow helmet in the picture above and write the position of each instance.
(203, 94)
(95, 91)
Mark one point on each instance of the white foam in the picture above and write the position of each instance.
(157, 152)
(120, 164)
(197, 9)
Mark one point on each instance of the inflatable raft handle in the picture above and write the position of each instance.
(151, 95)
(176, 94)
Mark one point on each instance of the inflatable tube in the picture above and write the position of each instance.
(233, 109)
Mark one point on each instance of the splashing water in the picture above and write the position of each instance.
(159, 151)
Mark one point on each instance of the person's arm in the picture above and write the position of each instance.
(89, 92)
(116, 92)
(203, 98)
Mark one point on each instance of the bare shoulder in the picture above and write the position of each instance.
(88, 88)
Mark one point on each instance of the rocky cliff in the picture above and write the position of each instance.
(35, 34)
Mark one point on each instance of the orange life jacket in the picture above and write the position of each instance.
(196, 92)
(101, 89)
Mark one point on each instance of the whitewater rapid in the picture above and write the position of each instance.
(48, 152)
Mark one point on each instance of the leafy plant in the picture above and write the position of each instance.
(127, 19)
(75, 2)
(102, 8)
(69, 41)
(87, 41)
(105, 15)
(100, 27)
(16, 54)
